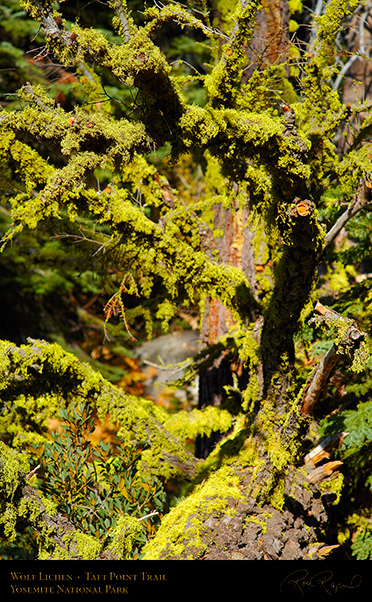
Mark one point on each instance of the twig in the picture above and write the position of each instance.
(85, 71)
(191, 21)
(154, 513)
(32, 473)
(171, 368)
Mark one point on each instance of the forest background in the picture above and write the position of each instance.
(198, 175)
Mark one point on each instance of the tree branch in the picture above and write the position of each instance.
(362, 198)
(229, 68)
(139, 60)
(350, 340)
(294, 277)
(40, 366)
(319, 380)
(118, 6)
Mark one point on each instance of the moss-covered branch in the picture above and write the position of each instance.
(295, 277)
(224, 81)
(38, 378)
(349, 342)
(138, 62)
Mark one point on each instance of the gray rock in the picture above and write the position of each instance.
(160, 358)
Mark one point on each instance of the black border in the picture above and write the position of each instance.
(169, 580)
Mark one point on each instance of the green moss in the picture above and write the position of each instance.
(295, 6)
(223, 82)
(293, 26)
(258, 519)
(88, 547)
(14, 508)
(277, 497)
(181, 532)
(279, 456)
(76, 545)
(13, 467)
(329, 25)
(361, 356)
(226, 11)
(124, 537)
(333, 486)
(187, 424)
(249, 353)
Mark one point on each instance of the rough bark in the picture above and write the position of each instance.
(234, 249)
(246, 530)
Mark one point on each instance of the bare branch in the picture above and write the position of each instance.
(32, 473)
(361, 199)
(318, 380)
(346, 66)
(154, 513)
(324, 471)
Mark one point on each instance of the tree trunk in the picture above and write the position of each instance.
(235, 247)
(282, 514)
